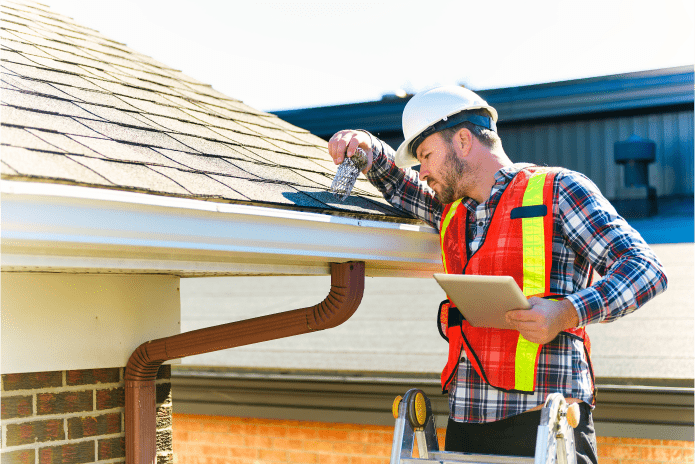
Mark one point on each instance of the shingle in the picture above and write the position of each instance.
(96, 97)
(352, 203)
(113, 115)
(49, 165)
(124, 152)
(274, 121)
(200, 184)
(150, 107)
(175, 125)
(132, 135)
(34, 86)
(182, 103)
(6, 170)
(320, 180)
(63, 143)
(215, 121)
(52, 64)
(275, 134)
(210, 164)
(46, 75)
(132, 175)
(15, 56)
(139, 83)
(243, 139)
(44, 104)
(274, 173)
(264, 192)
(16, 44)
(17, 137)
(63, 124)
(245, 154)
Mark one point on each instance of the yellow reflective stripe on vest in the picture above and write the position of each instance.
(442, 231)
(533, 236)
(525, 364)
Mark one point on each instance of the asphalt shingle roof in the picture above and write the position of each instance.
(80, 108)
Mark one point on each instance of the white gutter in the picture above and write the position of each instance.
(65, 228)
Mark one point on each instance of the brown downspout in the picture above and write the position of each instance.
(347, 287)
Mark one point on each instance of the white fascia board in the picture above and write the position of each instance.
(64, 228)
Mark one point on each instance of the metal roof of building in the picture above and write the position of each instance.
(637, 91)
(80, 108)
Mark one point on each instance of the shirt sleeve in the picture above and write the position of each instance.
(631, 272)
(403, 187)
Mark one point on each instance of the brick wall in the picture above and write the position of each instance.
(74, 416)
(217, 439)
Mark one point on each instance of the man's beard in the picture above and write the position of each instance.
(453, 170)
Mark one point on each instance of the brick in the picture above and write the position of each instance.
(287, 443)
(35, 431)
(19, 457)
(111, 398)
(314, 445)
(621, 451)
(93, 376)
(80, 427)
(215, 426)
(163, 393)
(272, 455)
(302, 458)
(64, 402)
(164, 441)
(244, 453)
(366, 460)
(678, 443)
(259, 441)
(303, 433)
(32, 380)
(14, 407)
(271, 430)
(111, 448)
(349, 448)
(325, 458)
(661, 453)
(379, 450)
(334, 435)
(72, 453)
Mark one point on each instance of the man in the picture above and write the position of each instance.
(549, 228)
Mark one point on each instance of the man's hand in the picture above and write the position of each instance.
(346, 142)
(544, 320)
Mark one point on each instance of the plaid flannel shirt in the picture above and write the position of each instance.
(594, 237)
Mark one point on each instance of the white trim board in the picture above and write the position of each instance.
(64, 228)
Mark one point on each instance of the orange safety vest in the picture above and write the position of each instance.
(518, 243)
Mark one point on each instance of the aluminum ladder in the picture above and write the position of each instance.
(414, 420)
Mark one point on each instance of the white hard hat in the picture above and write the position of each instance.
(429, 112)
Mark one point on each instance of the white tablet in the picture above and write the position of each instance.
(483, 300)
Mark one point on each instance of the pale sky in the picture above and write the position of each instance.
(296, 54)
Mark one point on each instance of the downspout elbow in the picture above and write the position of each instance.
(347, 288)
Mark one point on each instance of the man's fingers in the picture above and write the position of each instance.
(522, 315)
(352, 146)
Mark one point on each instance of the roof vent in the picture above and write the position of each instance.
(636, 198)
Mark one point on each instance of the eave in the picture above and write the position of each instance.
(66, 228)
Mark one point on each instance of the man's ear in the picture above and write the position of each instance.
(463, 140)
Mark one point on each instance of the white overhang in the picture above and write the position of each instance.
(65, 228)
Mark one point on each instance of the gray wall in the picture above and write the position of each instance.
(587, 146)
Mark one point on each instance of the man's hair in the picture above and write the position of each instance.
(487, 137)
